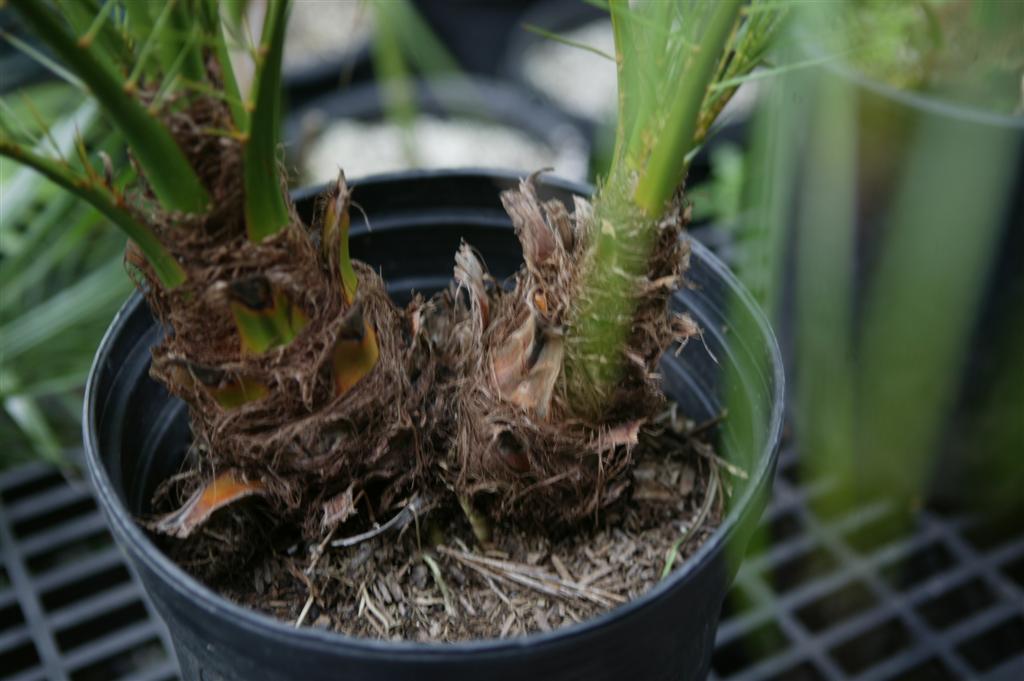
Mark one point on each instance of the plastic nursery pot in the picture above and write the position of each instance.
(561, 143)
(327, 46)
(136, 435)
(475, 32)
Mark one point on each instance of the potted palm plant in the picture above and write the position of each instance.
(356, 465)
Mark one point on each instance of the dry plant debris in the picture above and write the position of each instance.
(420, 575)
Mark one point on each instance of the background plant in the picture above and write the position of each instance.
(61, 280)
(893, 246)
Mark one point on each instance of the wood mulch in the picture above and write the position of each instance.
(430, 580)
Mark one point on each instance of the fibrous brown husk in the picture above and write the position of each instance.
(468, 393)
(305, 445)
(522, 448)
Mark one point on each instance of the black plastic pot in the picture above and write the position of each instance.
(135, 436)
(475, 32)
(19, 70)
(481, 99)
(308, 82)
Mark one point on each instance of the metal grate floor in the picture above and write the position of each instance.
(824, 596)
(858, 594)
(70, 610)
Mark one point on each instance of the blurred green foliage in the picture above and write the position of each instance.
(61, 281)
(969, 52)
(872, 228)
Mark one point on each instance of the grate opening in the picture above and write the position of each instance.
(83, 588)
(957, 604)
(809, 475)
(791, 472)
(879, 532)
(921, 564)
(995, 646)
(100, 626)
(929, 670)
(872, 647)
(1015, 571)
(840, 604)
(141, 656)
(785, 526)
(991, 535)
(19, 659)
(756, 645)
(805, 671)
(11, 617)
(48, 480)
(45, 521)
(69, 552)
(800, 569)
(4, 579)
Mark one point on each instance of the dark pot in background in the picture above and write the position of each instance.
(336, 55)
(476, 31)
(976, 462)
(558, 17)
(19, 70)
(303, 84)
(480, 99)
(136, 436)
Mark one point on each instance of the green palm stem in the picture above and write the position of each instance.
(626, 215)
(165, 166)
(104, 199)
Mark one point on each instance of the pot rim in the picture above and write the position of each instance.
(135, 541)
(930, 103)
(477, 97)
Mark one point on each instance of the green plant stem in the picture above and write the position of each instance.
(192, 59)
(627, 209)
(167, 269)
(232, 94)
(163, 163)
(666, 167)
(266, 210)
(93, 21)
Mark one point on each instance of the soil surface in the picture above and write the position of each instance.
(430, 580)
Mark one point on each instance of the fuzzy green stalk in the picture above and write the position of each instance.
(627, 209)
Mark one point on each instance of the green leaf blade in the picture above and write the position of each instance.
(266, 208)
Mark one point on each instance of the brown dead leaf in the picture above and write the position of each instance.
(223, 490)
(338, 509)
